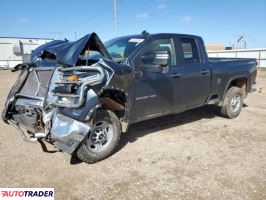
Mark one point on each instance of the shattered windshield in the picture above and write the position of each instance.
(120, 48)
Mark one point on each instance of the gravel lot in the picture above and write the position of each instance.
(193, 155)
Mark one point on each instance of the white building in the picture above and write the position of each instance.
(15, 50)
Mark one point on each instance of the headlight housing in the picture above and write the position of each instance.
(69, 85)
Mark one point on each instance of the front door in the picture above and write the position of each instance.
(154, 91)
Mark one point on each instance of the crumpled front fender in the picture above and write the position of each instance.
(52, 117)
(67, 132)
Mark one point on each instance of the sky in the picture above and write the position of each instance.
(217, 21)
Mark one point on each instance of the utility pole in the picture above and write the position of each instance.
(115, 17)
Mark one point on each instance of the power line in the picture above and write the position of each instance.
(57, 35)
(139, 6)
(92, 18)
(133, 20)
(124, 11)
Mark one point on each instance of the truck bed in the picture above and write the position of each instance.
(228, 69)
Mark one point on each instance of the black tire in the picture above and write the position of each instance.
(227, 109)
(85, 152)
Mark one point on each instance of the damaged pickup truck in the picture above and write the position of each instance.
(81, 95)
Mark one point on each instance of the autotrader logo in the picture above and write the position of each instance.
(27, 193)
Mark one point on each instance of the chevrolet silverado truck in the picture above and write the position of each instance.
(80, 96)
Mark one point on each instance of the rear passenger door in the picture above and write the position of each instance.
(196, 74)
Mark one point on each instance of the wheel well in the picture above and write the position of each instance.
(114, 100)
(241, 83)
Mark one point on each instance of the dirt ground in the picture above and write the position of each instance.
(193, 155)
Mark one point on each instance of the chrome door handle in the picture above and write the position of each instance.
(204, 71)
(176, 75)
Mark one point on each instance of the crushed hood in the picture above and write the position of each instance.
(67, 53)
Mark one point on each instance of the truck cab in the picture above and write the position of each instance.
(163, 88)
(172, 73)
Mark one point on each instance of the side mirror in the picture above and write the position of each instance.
(154, 61)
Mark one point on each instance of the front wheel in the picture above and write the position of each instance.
(102, 139)
(233, 103)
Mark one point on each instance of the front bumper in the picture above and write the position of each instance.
(39, 112)
(67, 132)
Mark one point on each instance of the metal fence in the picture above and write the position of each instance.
(259, 54)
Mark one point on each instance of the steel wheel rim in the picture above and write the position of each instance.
(235, 103)
(100, 136)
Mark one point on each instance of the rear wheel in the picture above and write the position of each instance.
(102, 138)
(233, 103)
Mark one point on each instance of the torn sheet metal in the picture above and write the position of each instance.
(67, 53)
(44, 100)
(67, 132)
